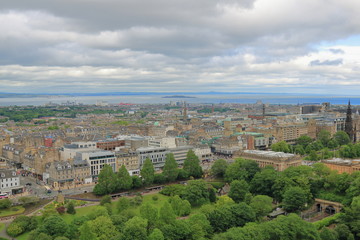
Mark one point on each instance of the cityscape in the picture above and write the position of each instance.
(179, 120)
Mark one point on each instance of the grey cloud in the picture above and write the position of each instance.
(335, 62)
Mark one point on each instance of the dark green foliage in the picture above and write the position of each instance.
(147, 172)
(196, 192)
(304, 141)
(124, 180)
(136, 201)
(160, 178)
(122, 204)
(282, 228)
(135, 229)
(174, 189)
(103, 228)
(178, 230)
(341, 138)
(241, 169)
(181, 207)
(167, 215)
(156, 234)
(218, 169)
(149, 213)
(106, 183)
(263, 181)
(192, 165)
(137, 182)
(324, 137)
(343, 232)
(238, 190)
(262, 205)
(228, 216)
(54, 226)
(295, 199)
(327, 234)
(71, 208)
(281, 146)
(182, 175)
(170, 169)
(105, 199)
(5, 203)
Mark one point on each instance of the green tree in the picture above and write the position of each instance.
(262, 205)
(137, 182)
(343, 232)
(324, 137)
(263, 181)
(103, 228)
(156, 234)
(196, 192)
(5, 203)
(149, 213)
(106, 183)
(122, 204)
(218, 169)
(299, 149)
(327, 234)
(71, 208)
(105, 199)
(341, 138)
(281, 146)
(54, 226)
(135, 229)
(170, 169)
(14, 230)
(124, 180)
(241, 169)
(180, 207)
(86, 232)
(303, 140)
(200, 226)
(147, 172)
(238, 190)
(167, 215)
(295, 199)
(192, 165)
(313, 156)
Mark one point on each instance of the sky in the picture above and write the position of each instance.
(88, 46)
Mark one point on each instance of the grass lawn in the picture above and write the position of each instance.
(23, 236)
(12, 211)
(146, 199)
(2, 226)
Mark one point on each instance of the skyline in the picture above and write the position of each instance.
(180, 46)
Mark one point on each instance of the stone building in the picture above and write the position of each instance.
(279, 160)
(343, 165)
(10, 182)
(64, 173)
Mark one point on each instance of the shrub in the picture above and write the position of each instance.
(14, 230)
(71, 208)
(159, 178)
(60, 210)
(5, 203)
(155, 198)
(136, 201)
(172, 190)
(105, 199)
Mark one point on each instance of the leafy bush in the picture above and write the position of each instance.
(71, 208)
(14, 230)
(5, 203)
(60, 210)
(155, 198)
(172, 190)
(105, 199)
(327, 221)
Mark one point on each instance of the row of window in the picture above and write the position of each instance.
(7, 185)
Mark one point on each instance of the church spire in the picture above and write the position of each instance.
(348, 123)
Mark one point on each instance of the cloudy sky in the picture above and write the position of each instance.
(189, 45)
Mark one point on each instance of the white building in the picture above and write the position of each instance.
(157, 156)
(68, 152)
(10, 182)
(97, 159)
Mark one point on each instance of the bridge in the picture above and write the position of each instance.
(328, 207)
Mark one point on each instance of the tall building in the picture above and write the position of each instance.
(348, 123)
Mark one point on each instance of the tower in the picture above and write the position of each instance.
(185, 111)
(263, 110)
(348, 123)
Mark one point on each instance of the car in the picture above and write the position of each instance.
(28, 184)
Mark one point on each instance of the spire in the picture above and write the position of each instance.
(348, 122)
